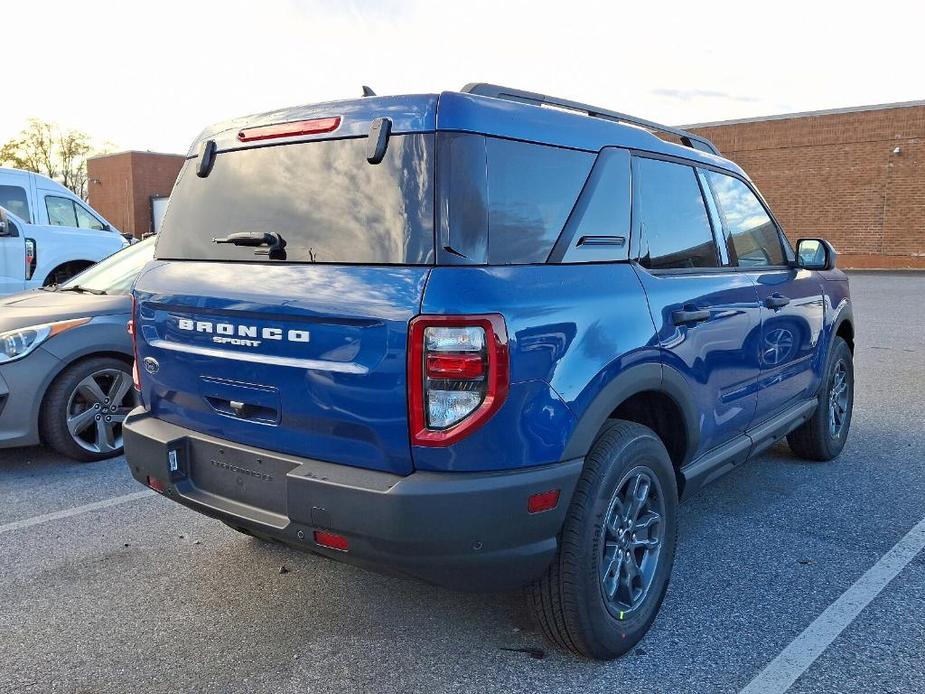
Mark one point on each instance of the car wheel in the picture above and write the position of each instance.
(822, 436)
(85, 406)
(604, 588)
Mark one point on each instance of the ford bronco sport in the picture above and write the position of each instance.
(485, 338)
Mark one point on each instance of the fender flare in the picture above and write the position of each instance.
(843, 314)
(632, 381)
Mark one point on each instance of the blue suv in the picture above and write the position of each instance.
(485, 338)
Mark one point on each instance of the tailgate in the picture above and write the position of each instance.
(308, 360)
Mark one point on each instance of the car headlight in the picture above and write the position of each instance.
(16, 344)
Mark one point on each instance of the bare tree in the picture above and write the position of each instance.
(73, 148)
(52, 151)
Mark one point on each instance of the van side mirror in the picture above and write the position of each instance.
(815, 254)
(4, 224)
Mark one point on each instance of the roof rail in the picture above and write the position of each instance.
(688, 139)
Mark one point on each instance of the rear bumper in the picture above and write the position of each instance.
(461, 530)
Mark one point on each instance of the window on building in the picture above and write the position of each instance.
(14, 199)
(750, 232)
(671, 218)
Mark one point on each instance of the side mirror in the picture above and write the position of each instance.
(815, 254)
(4, 224)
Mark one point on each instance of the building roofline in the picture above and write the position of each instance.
(809, 114)
(136, 151)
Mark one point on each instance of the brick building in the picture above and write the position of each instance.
(855, 176)
(122, 185)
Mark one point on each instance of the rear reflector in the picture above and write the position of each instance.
(156, 485)
(544, 501)
(453, 366)
(293, 129)
(331, 541)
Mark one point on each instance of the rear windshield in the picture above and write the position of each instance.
(323, 198)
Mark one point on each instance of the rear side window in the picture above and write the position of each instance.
(750, 232)
(323, 198)
(670, 216)
(531, 190)
(14, 199)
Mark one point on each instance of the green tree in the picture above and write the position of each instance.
(48, 149)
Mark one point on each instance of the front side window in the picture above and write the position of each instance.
(85, 220)
(670, 217)
(61, 211)
(750, 232)
(14, 199)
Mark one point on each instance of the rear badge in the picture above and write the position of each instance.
(151, 365)
(172, 461)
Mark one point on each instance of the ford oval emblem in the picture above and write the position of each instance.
(151, 365)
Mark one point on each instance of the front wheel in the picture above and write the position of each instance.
(823, 435)
(85, 406)
(603, 590)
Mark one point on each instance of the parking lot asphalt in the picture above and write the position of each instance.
(145, 595)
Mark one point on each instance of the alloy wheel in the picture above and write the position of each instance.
(838, 400)
(634, 531)
(96, 409)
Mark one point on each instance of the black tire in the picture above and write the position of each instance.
(63, 273)
(569, 601)
(818, 438)
(65, 397)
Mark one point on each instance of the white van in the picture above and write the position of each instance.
(51, 234)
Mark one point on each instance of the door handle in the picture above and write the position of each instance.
(776, 301)
(689, 317)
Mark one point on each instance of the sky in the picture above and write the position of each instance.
(151, 75)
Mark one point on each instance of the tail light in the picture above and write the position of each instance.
(31, 258)
(136, 376)
(458, 375)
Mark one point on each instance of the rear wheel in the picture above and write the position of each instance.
(85, 406)
(823, 436)
(603, 590)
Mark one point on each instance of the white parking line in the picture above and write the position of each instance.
(75, 511)
(796, 658)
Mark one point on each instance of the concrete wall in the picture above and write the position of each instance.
(121, 186)
(835, 175)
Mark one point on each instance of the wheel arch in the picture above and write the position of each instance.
(650, 394)
(78, 264)
(63, 366)
(844, 328)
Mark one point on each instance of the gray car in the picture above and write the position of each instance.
(66, 360)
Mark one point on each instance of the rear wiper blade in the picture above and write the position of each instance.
(255, 239)
(82, 290)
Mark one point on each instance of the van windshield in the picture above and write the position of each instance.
(322, 198)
